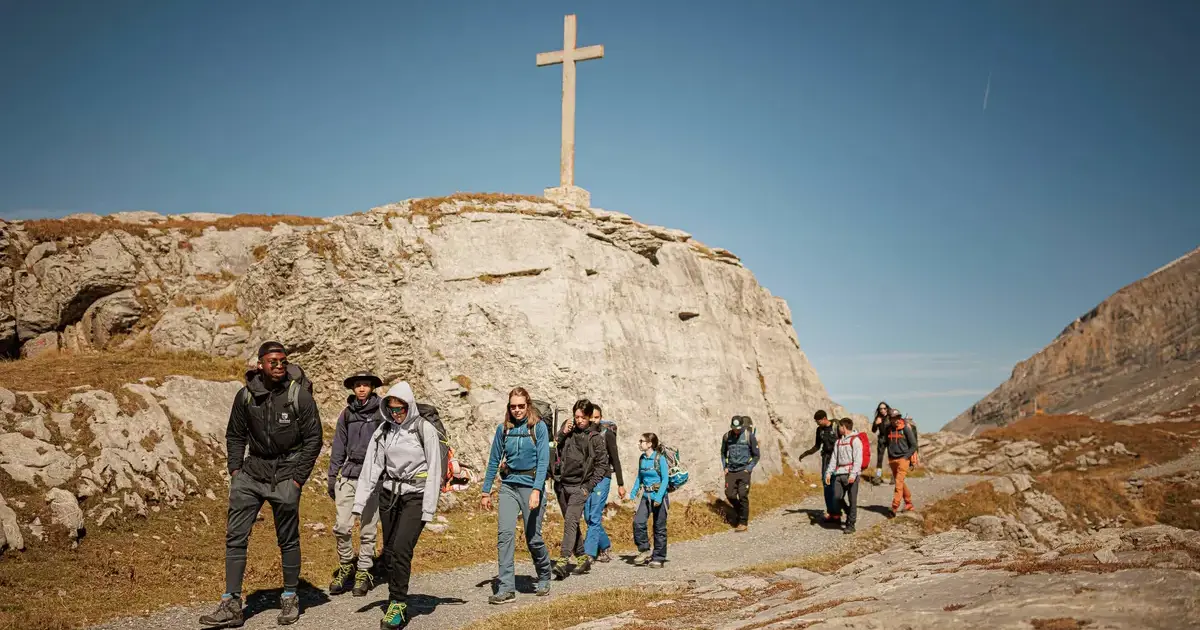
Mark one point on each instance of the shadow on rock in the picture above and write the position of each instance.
(268, 599)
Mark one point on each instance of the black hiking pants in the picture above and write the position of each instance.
(246, 498)
(843, 489)
(560, 493)
(737, 492)
(645, 510)
(400, 516)
(572, 501)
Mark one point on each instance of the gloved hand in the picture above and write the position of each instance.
(332, 488)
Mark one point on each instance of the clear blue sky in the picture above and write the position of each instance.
(925, 244)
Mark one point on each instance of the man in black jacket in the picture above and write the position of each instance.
(826, 438)
(583, 463)
(276, 417)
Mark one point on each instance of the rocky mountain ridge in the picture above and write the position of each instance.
(1135, 356)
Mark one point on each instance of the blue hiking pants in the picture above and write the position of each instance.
(593, 514)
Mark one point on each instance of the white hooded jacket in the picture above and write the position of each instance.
(396, 459)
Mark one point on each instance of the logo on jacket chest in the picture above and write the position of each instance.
(284, 418)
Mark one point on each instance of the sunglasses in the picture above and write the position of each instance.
(395, 411)
(518, 407)
(275, 362)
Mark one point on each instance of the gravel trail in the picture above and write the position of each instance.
(453, 599)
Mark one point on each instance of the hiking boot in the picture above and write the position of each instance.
(341, 575)
(604, 556)
(740, 528)
(227, 615)
(561, 568)
(504, 598)
(655, 564)
(909, 507)
(363, 583)
(584, 566)
(542, 589)
(642, 558)
(395, 617)
(849, 530)
(289, 609)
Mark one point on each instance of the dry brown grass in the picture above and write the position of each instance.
(976, 500)
(1095, 498)
(1153, 443)
(41, 230)
(1059, 623)
(1173, 503)
(489, 278)
(110, 370)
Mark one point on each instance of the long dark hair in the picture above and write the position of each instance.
(885, 414)
(531, 414)
(653, 440)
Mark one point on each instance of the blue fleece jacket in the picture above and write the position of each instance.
(652, 470)
(519, 451)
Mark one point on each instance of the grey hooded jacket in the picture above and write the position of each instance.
(396, 460)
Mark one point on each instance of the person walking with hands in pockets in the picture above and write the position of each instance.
(404, 461)
(652, 483)
(520, 455)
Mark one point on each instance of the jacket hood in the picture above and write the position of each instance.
(403, 391)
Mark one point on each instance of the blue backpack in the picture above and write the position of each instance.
(677, 475)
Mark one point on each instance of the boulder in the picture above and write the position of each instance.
(64, 510)
(44, 344)
(31, 461)
(10, 531)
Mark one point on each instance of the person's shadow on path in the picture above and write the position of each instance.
(268, 599)
(816, 516)
(418, 604)
(524, 583)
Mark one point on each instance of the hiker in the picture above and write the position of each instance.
(404, 462)
(651, 482)
(739, 456)
(902, 455)
(597, 545)
(276, 416)
(879, 427)
(560, 489)
(583, 464)
(520, 455)
(824, 441)
(355, 426)
(842, 472)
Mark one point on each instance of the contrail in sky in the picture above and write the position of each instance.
(986, 91)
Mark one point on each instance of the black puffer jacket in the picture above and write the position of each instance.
(283, 442)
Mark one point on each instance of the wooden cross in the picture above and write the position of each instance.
(567, 57)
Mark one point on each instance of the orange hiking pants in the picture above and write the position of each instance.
(900, 474)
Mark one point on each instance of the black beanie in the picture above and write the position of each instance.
(269, 347)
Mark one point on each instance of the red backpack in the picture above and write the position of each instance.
(866, 450)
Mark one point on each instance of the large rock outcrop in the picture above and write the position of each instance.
(1134, 356)
(466, 297)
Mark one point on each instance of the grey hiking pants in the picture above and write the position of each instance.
(575, 498)
(514, 500)
(246, 497)
(368, 525)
